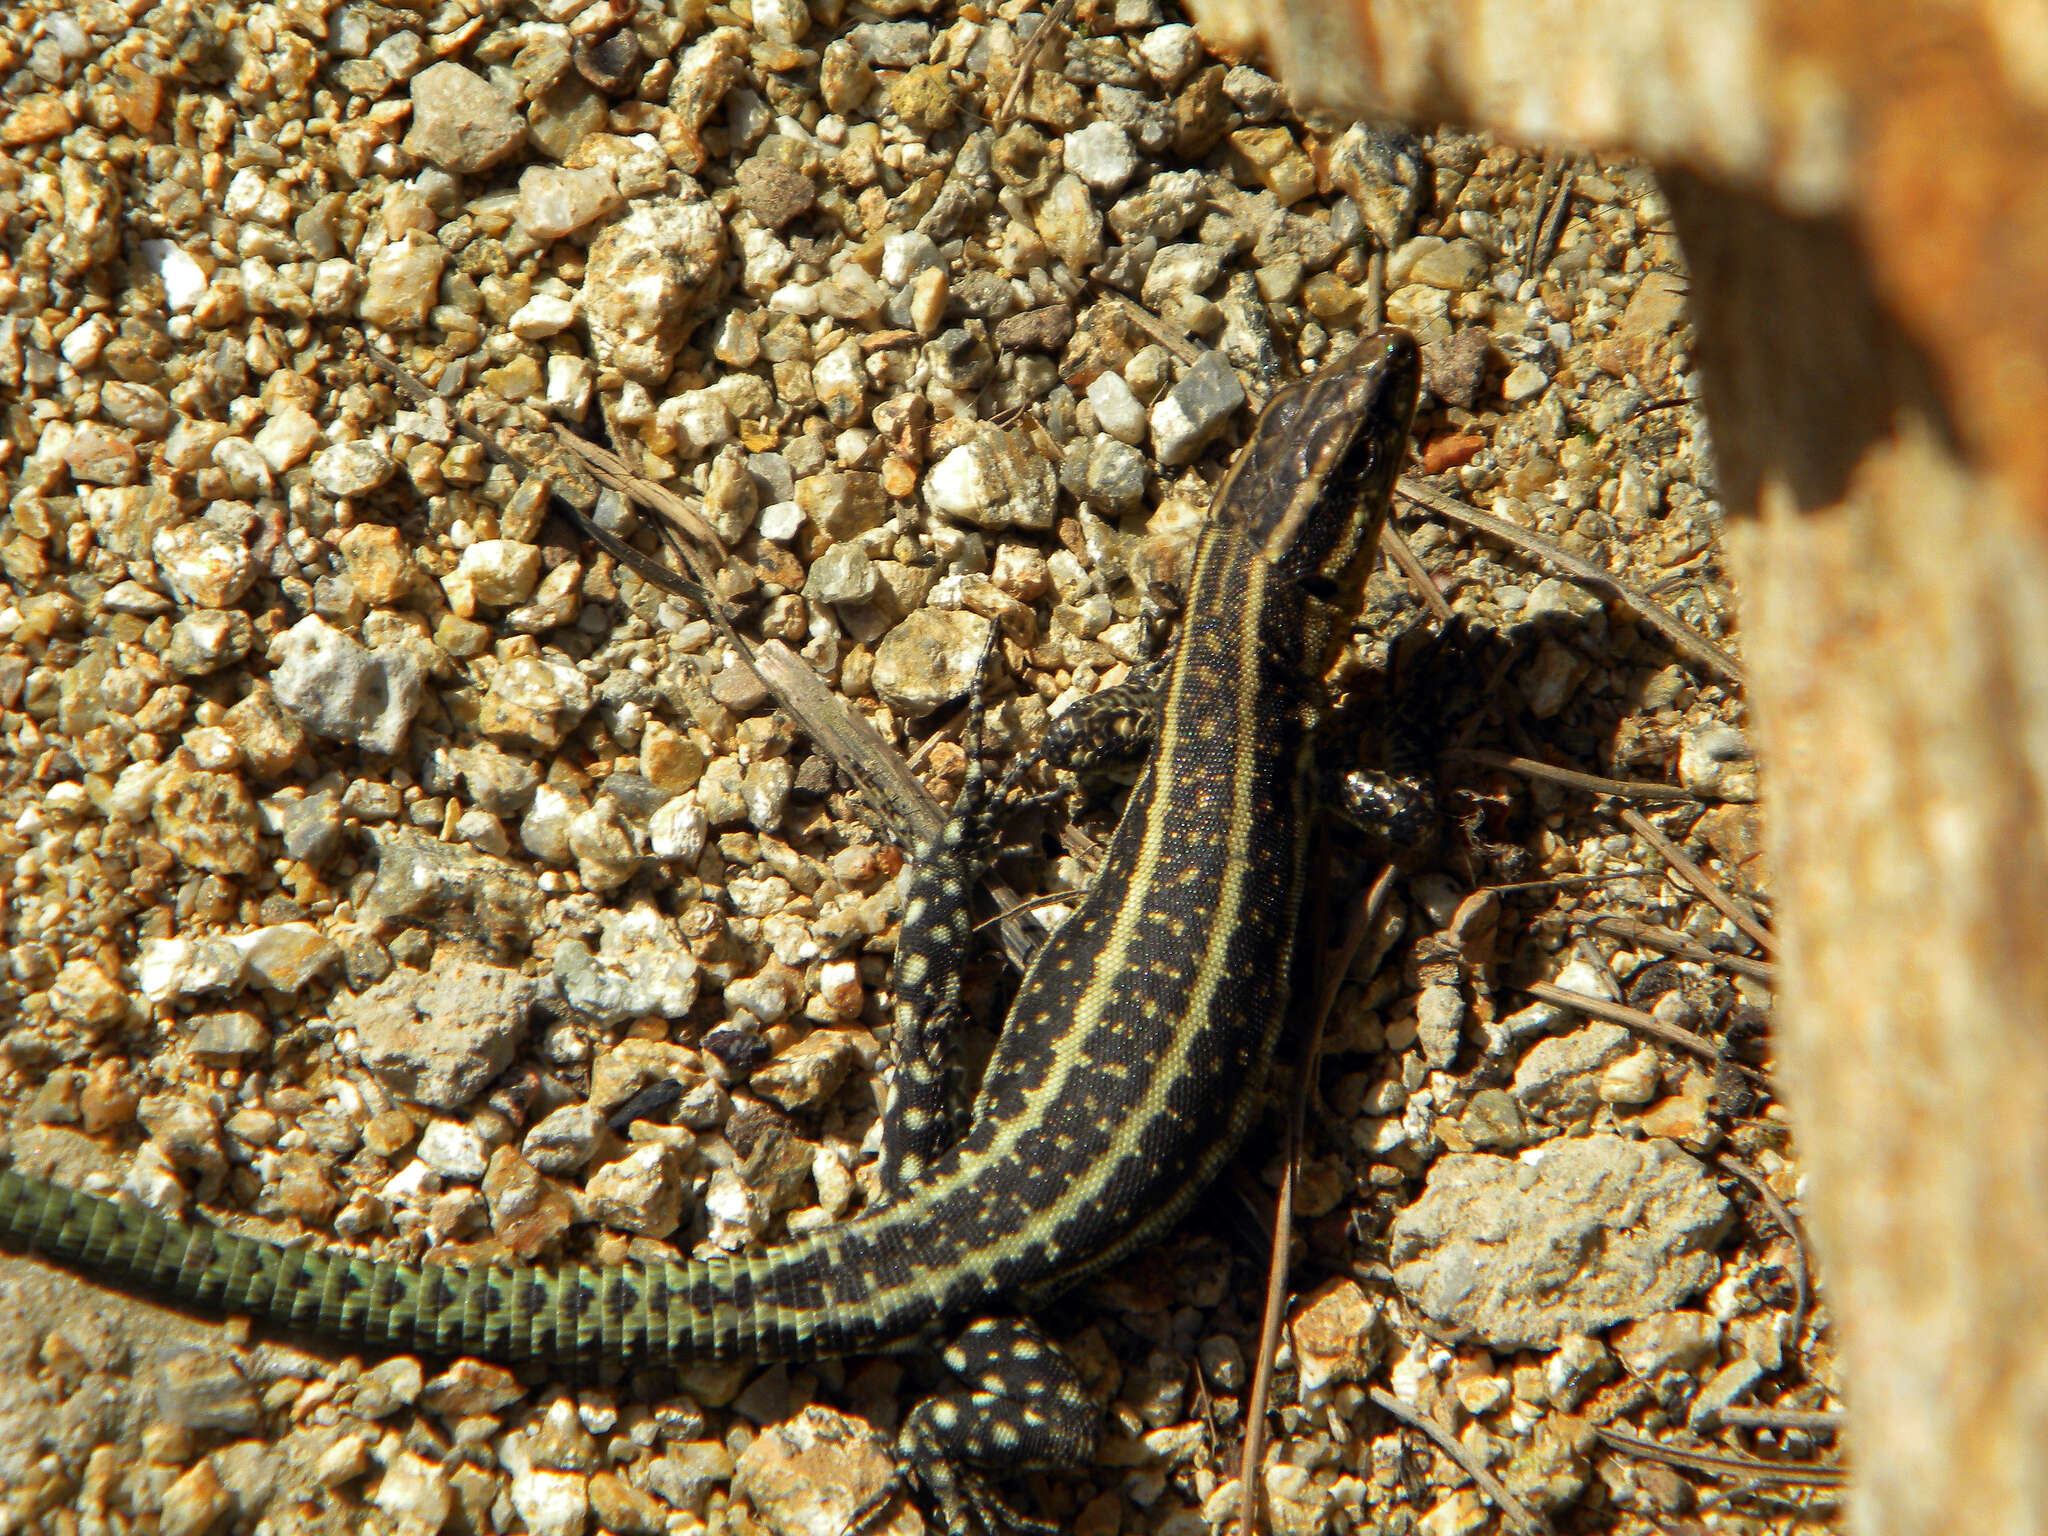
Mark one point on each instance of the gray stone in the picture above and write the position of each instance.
(739, 688)
(1117, 410)
(1549, 680)
(202, 1390)
(814, 1472)
(195, 1503)
(1247, 338)
(765, 791)
(207, 819)
(1456, 266)
(1717, 762)
(229, 1038)
(647, 274)
(1524, 382)
(204, 641)
(774, 192)
(677, 830)
(842, 504)
(335, 688)
(1182, 269)
(402, 283)
(892, 44)
(1454, 369)
(439, 1037)
(173, 968)
(637, 796)
(1439, 1024)
(350, 469)
(312, 827)
(454, 890)
(1169, 52)
(188, 1135)
(1161, 209)
(642, 1192)
(1559, 1079)
(1195, 409)
(1666, 1341)
(545, 831)
(1337, 1337)
(206, 564)
(842, 574)
(285, 957)
(388, 1386)
(563, 117)
(551, 1503)
(1729, 1386)
(808, 1073)
(929, 660)
(1493, 1121)
(1381, 170)
(461, 121)
(534, 701)
(1148, 120)
(566, 1140)
(1067, 222)
(494, 781)
(607, 854)
(642, 965)
(454, 1149)
(1101, 155)
(994, 480)
(1257, 94)
(1589, 1232)
(1045, 329)
(1106, 473)
(1579, 1365)
(555, 202)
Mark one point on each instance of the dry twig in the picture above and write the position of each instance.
(1552, 166)
(1522, 1517)
(1664, 941)
(1688, 641)
(1802, 1263)
(1571, 882)
(1812, 1421)
(844, 735)
(1028, 59)
(614, 471)
(1363, 919)
(1173, 338)
(1724, 1466)
(1571, 778)
(1396, 549)
(1373, 314)
(1553, 206)
(1694, 876)
(1032, 904)
(1643, 1024)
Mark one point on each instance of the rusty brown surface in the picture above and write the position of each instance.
(1924, 123)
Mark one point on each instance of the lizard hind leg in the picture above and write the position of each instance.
(927, 1109)
(1019, 1407)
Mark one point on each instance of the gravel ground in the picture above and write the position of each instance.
(381, 859)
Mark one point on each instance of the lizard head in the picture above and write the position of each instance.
(1322, 461)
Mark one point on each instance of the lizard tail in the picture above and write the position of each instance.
(570, 1316)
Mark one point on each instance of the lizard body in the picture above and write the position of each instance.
(1125, 1076)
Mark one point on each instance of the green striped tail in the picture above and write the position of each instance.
(570, 1316)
